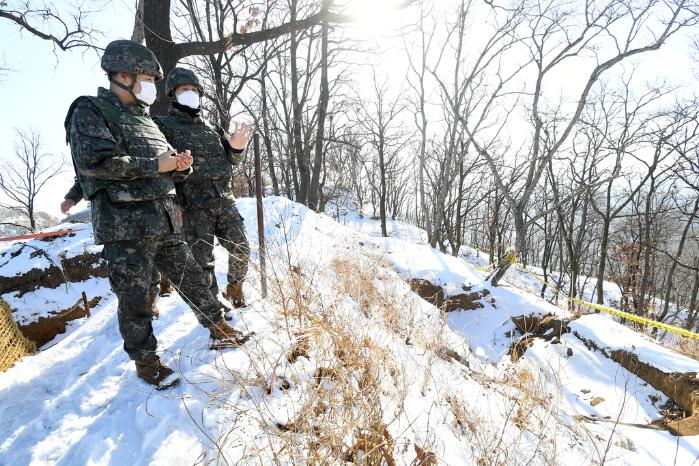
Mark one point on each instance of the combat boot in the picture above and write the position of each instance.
(234, 293)
(225, 336)
(152, 369)
(153, 306)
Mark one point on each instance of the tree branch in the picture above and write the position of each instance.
(241, 40)
(76, 38)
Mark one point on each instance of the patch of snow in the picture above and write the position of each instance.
(610, 335)
(45, 301)
(79, 401)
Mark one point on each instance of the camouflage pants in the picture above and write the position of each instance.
(131, 266)
(217, 218)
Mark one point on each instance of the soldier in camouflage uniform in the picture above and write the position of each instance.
(125, 168)
(75, 195)
(206, 196)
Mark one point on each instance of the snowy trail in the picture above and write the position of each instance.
(79, 401)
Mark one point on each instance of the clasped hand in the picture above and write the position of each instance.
(171, 160)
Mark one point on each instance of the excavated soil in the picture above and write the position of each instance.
(46, 328)
(73, 269)
(435, 295)
(535, 326)
(682, 388)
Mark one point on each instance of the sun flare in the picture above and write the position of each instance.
(374, 16)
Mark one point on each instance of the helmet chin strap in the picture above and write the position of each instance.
(129, 89)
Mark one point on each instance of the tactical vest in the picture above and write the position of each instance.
(210, 161)
(140, 137)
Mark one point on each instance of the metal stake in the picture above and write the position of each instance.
(260, 215)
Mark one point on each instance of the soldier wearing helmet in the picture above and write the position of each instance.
(206, 196)
(126, 169)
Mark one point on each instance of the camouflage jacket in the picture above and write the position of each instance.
(115, 150)
(212, 172)
(75, 193)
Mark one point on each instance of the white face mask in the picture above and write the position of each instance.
(148, 93)
(189, 98)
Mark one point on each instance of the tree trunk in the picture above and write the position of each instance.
(645, 243)
(459, 201)
(297, 117)
(692, 309)
(156, 17)
(673, 267)
(139, 33)
(382, 199)
(601, 269)
(520, 242)
(265, 125)
(313, 191)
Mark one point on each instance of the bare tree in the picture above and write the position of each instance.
(623, 121)
(239, 32)
(558, 31)
(42, 19)
(22, 179)
(418, 66)
(379, 122)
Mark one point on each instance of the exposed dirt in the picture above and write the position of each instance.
(682, 388)
(73, 269)
(46, 328)
(435, 295)
(547, 328)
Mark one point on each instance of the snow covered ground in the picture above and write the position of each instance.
(587, 287)
(377, 373)
(20, 257)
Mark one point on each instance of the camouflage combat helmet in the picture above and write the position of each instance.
(127, 56)
(179, 76)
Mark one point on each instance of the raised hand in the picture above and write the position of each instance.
(241, 136)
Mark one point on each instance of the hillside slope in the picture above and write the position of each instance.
(348, 364)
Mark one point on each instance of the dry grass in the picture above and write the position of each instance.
(526, 427)
(686, 346)
(333, 368)
(338, 407)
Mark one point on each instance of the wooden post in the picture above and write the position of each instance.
(86, 304)
(260, 215)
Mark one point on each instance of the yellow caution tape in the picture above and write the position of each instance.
(485, 267)
(616, 312)
(509, 258)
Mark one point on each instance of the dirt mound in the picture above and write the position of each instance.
(547, 328)
(72, 269)
(435, 295)
(682, 388)
(46, 328)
